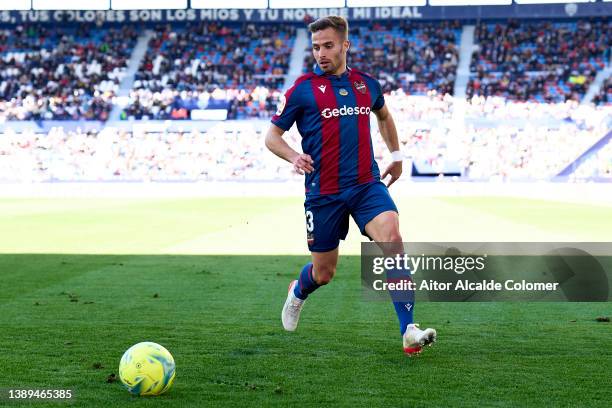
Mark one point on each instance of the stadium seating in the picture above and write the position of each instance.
(497, 139)
(523, 144)
(541, 61)
(604, 97)
(221, 153)
(188, 67)
(74, 71)
(597, 166)
(62, 73)
(522, 119)
(416, 57)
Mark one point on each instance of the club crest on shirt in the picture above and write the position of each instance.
(343, 92)
(360, 86)
(281, 105)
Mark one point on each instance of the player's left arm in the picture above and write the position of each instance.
(386, 125)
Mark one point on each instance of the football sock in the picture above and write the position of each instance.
(306, 283)
(403, 300)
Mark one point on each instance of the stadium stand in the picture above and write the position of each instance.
(522, 119)
(542, 61)
(221, 153)
(239, 67)
(416, 57)
(534, 148)
(598, 166)
(497, 138)
(604, 97)
(61, 73)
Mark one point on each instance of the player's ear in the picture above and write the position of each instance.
(347, 44)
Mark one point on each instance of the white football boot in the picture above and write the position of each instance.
(291, 311)
(415, 339)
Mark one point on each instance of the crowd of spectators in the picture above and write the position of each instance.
(598, 166)
(413, 56)
(522, 118)
(493, 137)
(62, 73)
(73, 72)
(220, 153)
(187, 67)
(531, 152)
(540, 61)
(509, 147)
(604, 96)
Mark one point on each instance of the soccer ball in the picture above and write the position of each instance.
(147, 369)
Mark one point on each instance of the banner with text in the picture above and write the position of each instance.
(302, 14)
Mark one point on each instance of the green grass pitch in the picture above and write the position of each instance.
(83, 279)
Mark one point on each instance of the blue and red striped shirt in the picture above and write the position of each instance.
(332, 114)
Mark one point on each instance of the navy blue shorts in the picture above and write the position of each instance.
(327, 216)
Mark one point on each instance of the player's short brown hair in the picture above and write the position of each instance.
(339, 24)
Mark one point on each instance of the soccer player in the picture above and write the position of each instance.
(332, 107)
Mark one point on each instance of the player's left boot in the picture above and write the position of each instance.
(415, 339)
(291, 311)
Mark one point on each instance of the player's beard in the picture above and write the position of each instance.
(332, 65)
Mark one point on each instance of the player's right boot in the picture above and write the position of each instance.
(291, 311)
(415, 339)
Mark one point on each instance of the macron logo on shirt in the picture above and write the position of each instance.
(328, 113)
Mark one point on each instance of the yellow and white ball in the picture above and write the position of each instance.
(147, 369)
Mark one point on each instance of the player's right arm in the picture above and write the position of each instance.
(277, 145)
(289, 110)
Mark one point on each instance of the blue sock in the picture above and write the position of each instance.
(404, 312)
(305, 283)
(403, 301)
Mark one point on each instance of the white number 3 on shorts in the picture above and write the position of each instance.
(309, 221)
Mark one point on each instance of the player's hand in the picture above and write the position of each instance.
(302, 163)
(395, 170)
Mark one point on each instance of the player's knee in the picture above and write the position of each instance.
(392, 236)
(324, 274)
(395, 236)
(324, 279)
